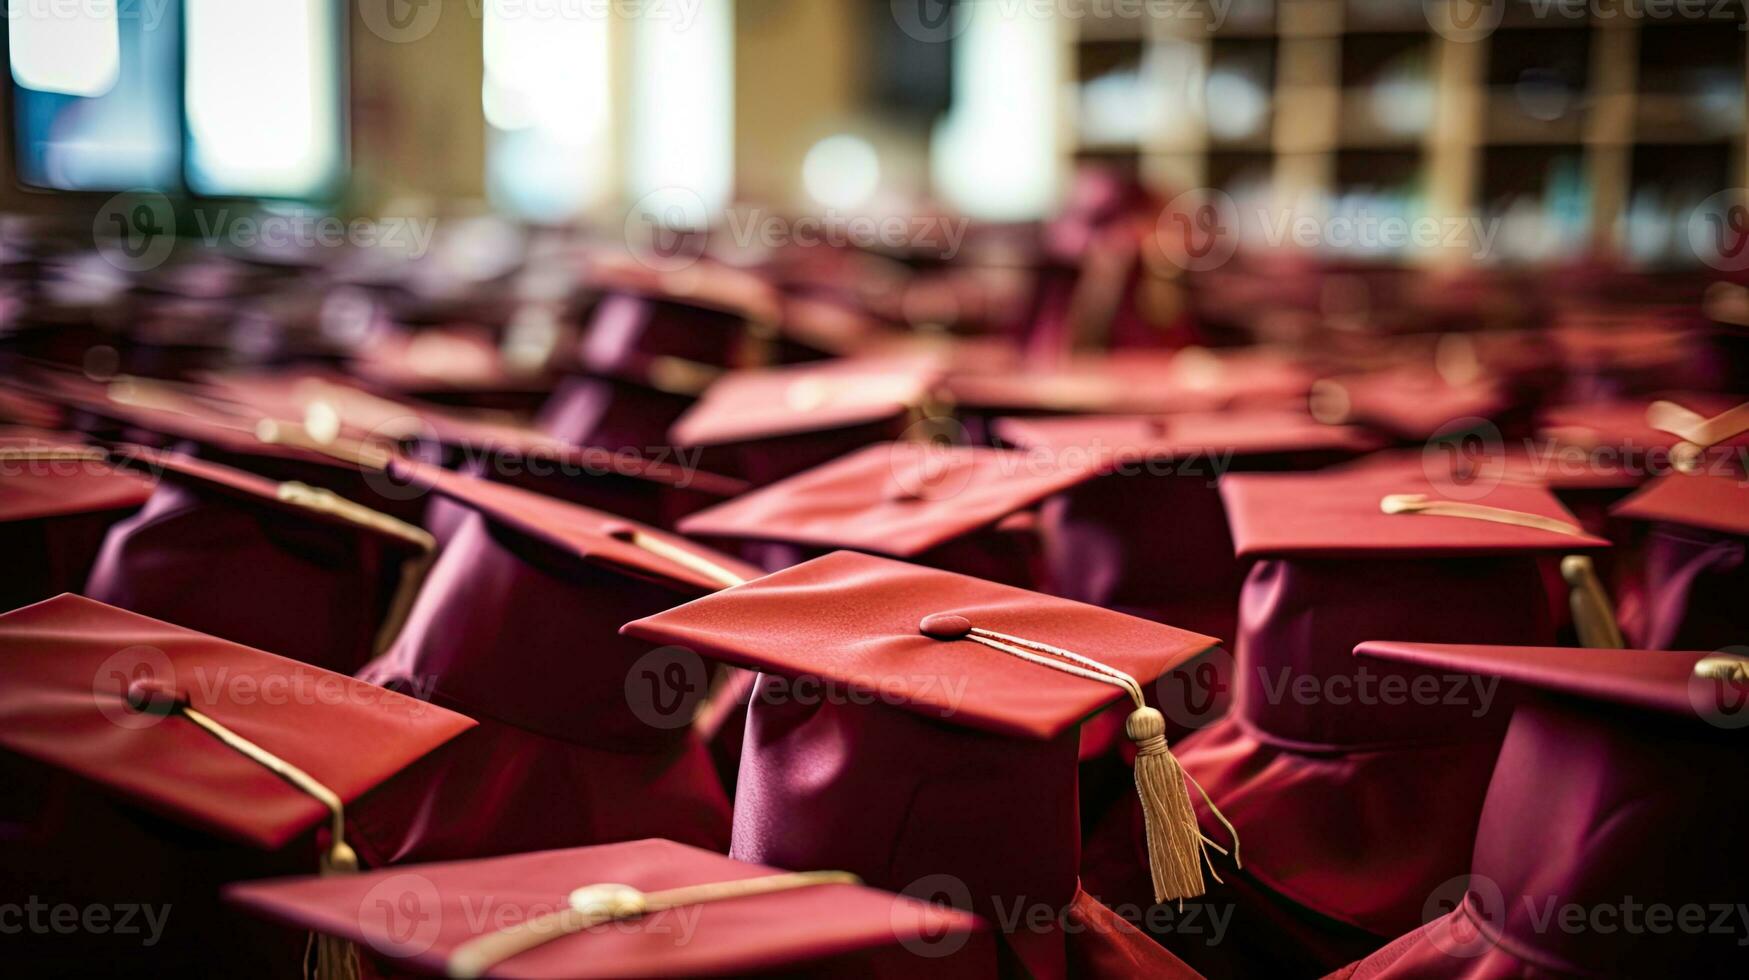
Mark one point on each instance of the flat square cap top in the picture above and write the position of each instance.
(75, 674)
(747, 405)
(1240, 432)
(52, 474)
(585, 534)
(857, 620)
(753, 934)
(897, 499)
(1650, 680)
(1342, 513)
(1715, 501)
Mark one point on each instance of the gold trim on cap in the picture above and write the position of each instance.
(595, 905)
(1697, 432)
(1593, 613)
(1420, 503)
(1723, 667)
(413, 570)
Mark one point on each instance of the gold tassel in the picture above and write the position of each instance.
(1174, 839)
(336, 958)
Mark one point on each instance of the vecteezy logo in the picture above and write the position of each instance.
(929, 21)
(133, 686)
(1197, 692)
(1464, 20)
(1718, 688)
(666, 229)
(937, 889)
(1462, 915)
(401, 915)
(401, 21)
(1465, 459)
(135, 231)
(1718, 230)
(665, 686)
(1198, 230)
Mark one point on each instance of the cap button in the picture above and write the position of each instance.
(944, 626)
(149, 695)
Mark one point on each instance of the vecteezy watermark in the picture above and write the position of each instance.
(34, 916)
(402, 916)
(406, 21)
(1196, 693)
(1473, 20)
(1718, 230)
(665, 687)
(1464, 917)
(1200, 922)
(1367, 687)
(939, 21)
(1201, 229)
(136, 687)
(148, 13)
(668, 230)
(1718, 688)
(136, 231)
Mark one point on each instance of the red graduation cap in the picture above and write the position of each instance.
(283, 566)
(1305, 765)
(185, 738)
(911, 724)
(1580, 865)
(1694, 564)
(58, 496)
(943, 506)
(517, 625)
(1150, 537)
(1410, 403)
(781, 421)
(638, 908)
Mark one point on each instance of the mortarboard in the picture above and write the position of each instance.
(282, 566)
(1409, 403)
(58, 497)
(942, 506)
(1150, 537)
(632, 909)
(1338, 558)
(651, 344)
(152, 762)
(517, 625)
(1580, 867)
(915, 726)
(776, 422)
(1693, 558)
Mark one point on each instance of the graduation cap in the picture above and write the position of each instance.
(1579, 867)
(277, 565)
(777, 422)
(1338, 558)
(943, 506)
(210, 761)
(638, 908)
(651, 344)
(58, 496)
(1410, 403)
(1149, 537)
(518, 626)
(1693, 561)
(910, 722)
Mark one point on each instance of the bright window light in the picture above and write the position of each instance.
(545, 95)
(995, 154)
(842, 171)
(683, 102)
(66, 50)
(263, 96)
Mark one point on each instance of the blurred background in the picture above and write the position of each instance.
(1228, 170)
